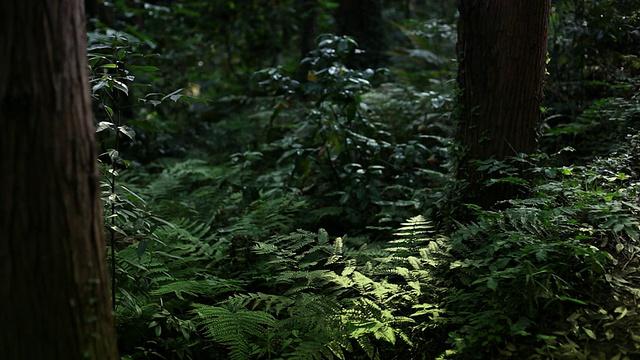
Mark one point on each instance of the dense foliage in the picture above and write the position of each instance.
(261, 203)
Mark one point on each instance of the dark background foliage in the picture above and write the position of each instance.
(278, 185)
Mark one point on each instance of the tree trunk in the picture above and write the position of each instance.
(54, 300)
(307, 11)
(362, 20)
(501, 56)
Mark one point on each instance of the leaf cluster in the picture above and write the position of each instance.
(541, 275)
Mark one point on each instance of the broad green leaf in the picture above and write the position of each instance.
(99, 85)
(121, 86)
(104, 125)
(492, 284)
(589, 333)
(127, 131)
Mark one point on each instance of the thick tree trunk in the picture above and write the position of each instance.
(502, 55)
(54, 298)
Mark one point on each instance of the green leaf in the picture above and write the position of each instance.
(386, 333)
(589, 333)
(104, 125)
(98, 86)
(566, 298)
(108, 109)
(144, 67)
(492, 284)
(127, 131)
(98, 47)
(173, 95)
(502, 263)
(121, 86)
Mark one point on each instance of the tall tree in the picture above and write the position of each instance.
(307, 11)
(54, 302)
(362, 20)
(501, 57)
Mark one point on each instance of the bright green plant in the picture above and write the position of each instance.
(318, 298)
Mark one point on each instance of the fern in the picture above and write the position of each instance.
(308, 297)
(369, 318)
(236, 329)
(209, 287)
(414, 232)
(187, 229)
(308, 326)
(369, 286)
(264, 217)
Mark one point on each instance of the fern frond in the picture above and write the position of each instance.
(369, 318)
(414, 231)
(209, 287)
(367, 346)
(234, 328)
(266, 302)
(314, 350)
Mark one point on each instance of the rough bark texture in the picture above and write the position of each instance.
(54, 298)
(501, 54)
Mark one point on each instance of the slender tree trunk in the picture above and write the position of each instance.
(502, 55)
(362, 20)
(307, 11)
(54, 298)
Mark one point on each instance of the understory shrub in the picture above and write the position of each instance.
(242, 254)
(544, 275)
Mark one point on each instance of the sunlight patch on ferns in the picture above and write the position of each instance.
(368, 285)
(319, 298)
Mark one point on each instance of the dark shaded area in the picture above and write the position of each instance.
(313, 205)
(363, 20)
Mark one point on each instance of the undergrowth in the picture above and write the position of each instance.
(548, 276)
(307, 244)
(542, 278)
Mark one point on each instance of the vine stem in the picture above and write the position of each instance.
(113, 194)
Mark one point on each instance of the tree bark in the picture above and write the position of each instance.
(54, 297)
(362, 20)
(501, 57)
(307, 11)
